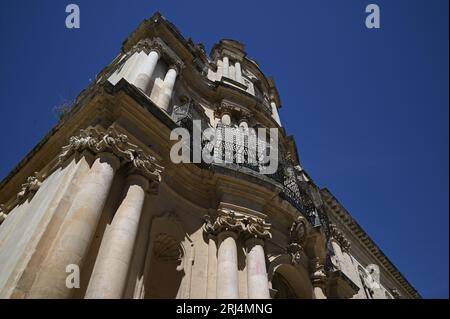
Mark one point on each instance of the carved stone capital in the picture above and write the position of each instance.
(29, 188)
(111, 141)
(257, 228)
(226, 220)
(338, 236)
(229, 220)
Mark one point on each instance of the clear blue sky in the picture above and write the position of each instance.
(368, 108)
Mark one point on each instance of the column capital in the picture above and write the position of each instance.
(338, 236)
(112, 143)
(225, 220)
(257, 227)
(230, 220)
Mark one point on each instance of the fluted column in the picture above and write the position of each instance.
(145, 70)
(238, 72)
(167, 89)
(73, 240)
(77, 231)
(227, 269)
(111, 267)
(257, 282)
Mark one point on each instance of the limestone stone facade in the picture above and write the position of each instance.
(101, 192)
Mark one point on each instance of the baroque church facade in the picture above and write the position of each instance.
(99, 210)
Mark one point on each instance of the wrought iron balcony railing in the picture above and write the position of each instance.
(238, 154)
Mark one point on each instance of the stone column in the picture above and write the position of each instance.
(226, 67)
(145, 71)
(257, 282)
(238, 72)
(166, 93)
(212, 268)
(227, 269)
(109, 276)
(77, 231)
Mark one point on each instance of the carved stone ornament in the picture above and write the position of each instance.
(229, 220)
(298, 231)
(258, 228)
(318, 274)
(395, 293)
(113, 142)
(295, 250)
(337, 235)
(29, 188)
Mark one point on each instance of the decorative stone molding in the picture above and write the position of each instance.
(229, 220)
(118, 144)
(395, 293)
(240, 112)
(258, 228)
(297, 237)
(226, 220)
(29, 188)
(298, 231)
(337, 235)
(295, 250)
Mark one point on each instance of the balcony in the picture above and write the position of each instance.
(238, 155)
